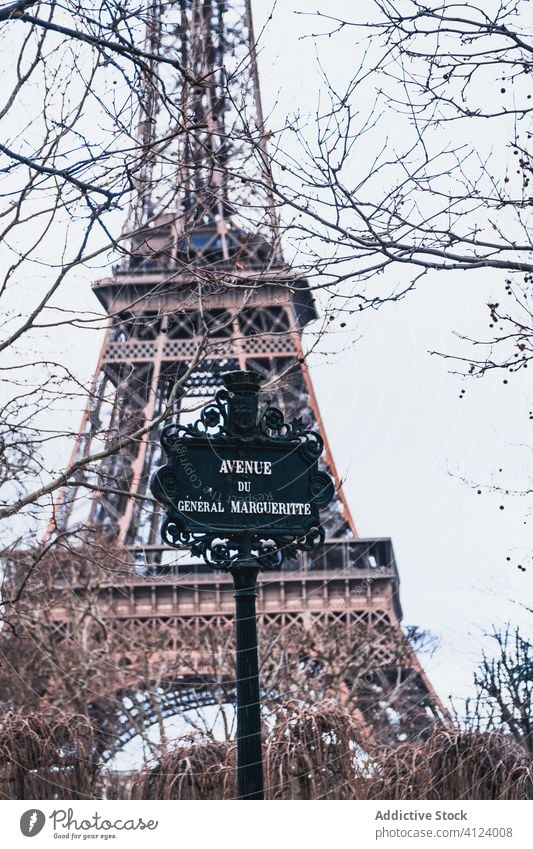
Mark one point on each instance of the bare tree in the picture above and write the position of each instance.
(504, 685)
(63, 189)
(61, 647)
(421, 162)
(103, 137)
(423, 195)
(369, 671)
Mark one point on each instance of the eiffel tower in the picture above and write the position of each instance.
(203, 288)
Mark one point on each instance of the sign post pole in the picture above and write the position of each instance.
(243, 491)
(242, 419)
(249, 752)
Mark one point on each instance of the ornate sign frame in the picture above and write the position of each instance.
(231, 423)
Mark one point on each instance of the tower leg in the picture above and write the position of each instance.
(249, 753)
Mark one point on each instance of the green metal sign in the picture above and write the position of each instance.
(225, 486)
(234, 478)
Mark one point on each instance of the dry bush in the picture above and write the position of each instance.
(454, 764)
(317, 753)
(310, 752)
(46, 755)
(197, 768)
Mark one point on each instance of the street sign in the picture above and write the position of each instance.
(226, 486)
(230, 474)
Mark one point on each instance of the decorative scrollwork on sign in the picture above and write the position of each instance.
(174, 534)
(214, 417)
(164, 485)
(213, 422)
(311, 445)
(225, 552)
(274, 427)
(272, 419)
(322, 489)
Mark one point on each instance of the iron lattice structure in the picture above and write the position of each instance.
(203, 288)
